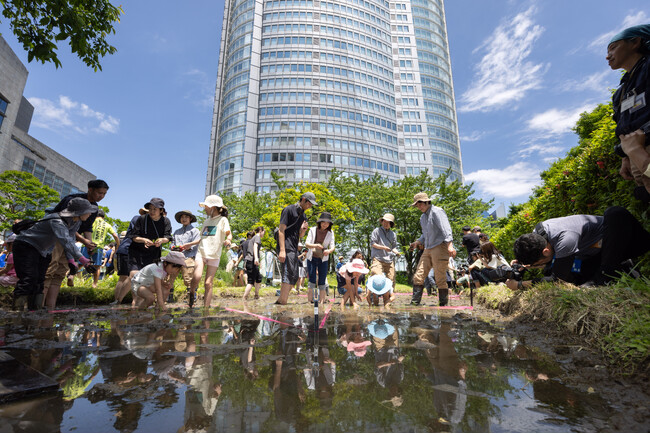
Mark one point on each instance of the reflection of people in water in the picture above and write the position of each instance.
(202, 396)
(448, 374)
(288, 393)
(320, 378)
(389, 367)
(247, 354)
(351, 335)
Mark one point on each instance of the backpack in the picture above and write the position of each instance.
(25, 225)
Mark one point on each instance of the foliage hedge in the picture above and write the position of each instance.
(586, 181)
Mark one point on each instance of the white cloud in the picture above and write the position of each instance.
(597, 82)
(534, 147)
(68, 115)
(200, 90)
(504, 74)
(556, 122)
(474, 136)
(601, 42)
(513, 181)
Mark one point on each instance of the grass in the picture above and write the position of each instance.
(614, 319)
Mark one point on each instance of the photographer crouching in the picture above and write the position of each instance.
(582, 249)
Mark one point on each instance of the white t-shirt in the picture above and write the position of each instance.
(213, 234)
(146, 276)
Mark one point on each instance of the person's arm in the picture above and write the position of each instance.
(256, 258)
(303, 228)
(167, 234)
(117, 241)
(309, 243)
(157, 284)
(283, 254)
(196, 239)
(332, 245)
(633, 145)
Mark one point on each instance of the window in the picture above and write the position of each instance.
(3, 110)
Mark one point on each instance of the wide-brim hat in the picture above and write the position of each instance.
(378, 284)
(155, 202)
(143, 211)
(355, 265)
(389, 218)
(212, 200)
(420, 197)
(78, 206)
(325, 217)
(174, 258)
(180, 214)
(359, 348)
(380, 329)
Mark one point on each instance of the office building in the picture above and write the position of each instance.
(19, 150)
(306, 86)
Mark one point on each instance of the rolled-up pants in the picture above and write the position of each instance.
(436, 258)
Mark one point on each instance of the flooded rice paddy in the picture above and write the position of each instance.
(261, 367)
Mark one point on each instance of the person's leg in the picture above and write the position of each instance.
(251, 279)
(55, 274)
(321, 268)
(421, 273)
(147, 297)
(289, 271)
(312, 271)
(211, 270)
(440, 263)
(389, 271)
(26, 263)
(196, 279)
(623, 238)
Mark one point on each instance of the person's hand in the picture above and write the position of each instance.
(631, 141)
(451, 250)
(90, 246)
(414, 245)
(147, 243)
(158, 242)
(282, 256)
(257, 262)
(305, 225)
(397, 252)
(626, 169)
(73, 267)
(91, 269)
(227, 243)
(512, 284)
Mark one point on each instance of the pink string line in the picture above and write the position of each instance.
(265, 318)
(327, 312)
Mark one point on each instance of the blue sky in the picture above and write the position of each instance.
(523, 71)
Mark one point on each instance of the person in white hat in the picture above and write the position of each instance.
(384, 248)
(437, 241)
(351, 273)
(215, 234)
(379, 286)
(147, 284)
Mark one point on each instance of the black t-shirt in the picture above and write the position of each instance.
(472, 243)
(86, 226)
(292, 216)
(250, 254)
(146, 227)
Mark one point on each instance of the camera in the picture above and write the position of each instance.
(504, 272)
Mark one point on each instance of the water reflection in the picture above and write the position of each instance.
(400, 371)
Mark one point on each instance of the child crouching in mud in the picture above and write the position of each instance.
(147, 283)
(351, 273)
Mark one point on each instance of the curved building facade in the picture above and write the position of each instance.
(304, 86)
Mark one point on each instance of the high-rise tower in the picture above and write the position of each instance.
(305, 86)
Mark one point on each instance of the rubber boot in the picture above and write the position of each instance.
(192, 299)
(170, 298)
(20, 303)
(417, 294)
(443, 296)
(38, 301)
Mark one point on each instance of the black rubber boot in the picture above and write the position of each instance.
(170, 298)
(20, 303)
(417, 294)
(443, 296)
(192, 298)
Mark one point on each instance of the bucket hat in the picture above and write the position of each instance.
(180, 214)
(420, 197)
(78, 206)
(325, 217)
(356, 265)
(389, 218)
(174, 258)
(156, 202)
(212, 200)
(378, 284)
(380, 329)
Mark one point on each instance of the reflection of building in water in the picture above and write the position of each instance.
(250, 418)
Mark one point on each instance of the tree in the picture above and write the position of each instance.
(245, 212)
(23, 196)
(119, 225)
(40, 24)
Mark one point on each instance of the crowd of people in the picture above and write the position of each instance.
(581, 249)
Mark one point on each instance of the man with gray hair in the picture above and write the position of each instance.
(438, 245)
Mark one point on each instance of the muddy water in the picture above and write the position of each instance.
(405, 370)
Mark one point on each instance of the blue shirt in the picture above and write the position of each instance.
(435, 228)
(185, 235)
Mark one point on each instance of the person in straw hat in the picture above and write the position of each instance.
(437, 241)
(186, 240)
(384, 249)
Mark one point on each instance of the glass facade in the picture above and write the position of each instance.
(363, 86)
